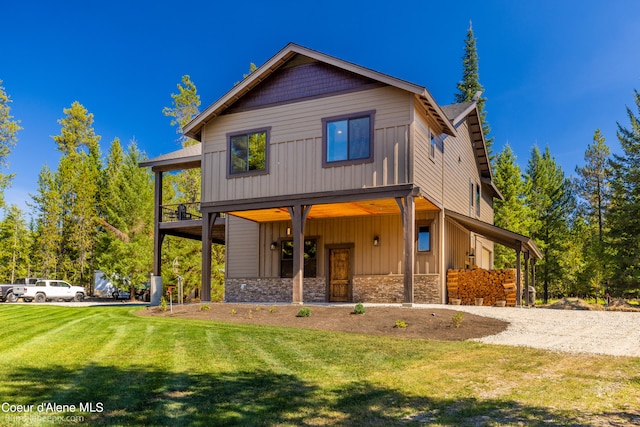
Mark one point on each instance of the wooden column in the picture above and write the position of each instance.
(518, 270)
(533, 275)
(407, 211)
(298, 218)
(157, 236)
(526, 279)
(208, 220)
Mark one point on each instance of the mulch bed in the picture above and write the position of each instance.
(422, 323)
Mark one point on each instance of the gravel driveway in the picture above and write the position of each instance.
(576, 331)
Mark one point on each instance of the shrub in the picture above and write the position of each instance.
(205, 307)
(457, 319)
(233, 311)
(401, 324)
(163, 304)
(359, 309)
(272, 309)
(304, 312)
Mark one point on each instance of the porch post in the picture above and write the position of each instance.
(208, 219)
(526, 279)
(518, 270)
(533, 275)
(157, 236)
(407, 211)
(298, 218)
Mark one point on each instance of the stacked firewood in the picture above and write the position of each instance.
(490, 285)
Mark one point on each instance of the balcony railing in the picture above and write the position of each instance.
(180, 212)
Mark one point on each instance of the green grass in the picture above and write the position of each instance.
(164, 371)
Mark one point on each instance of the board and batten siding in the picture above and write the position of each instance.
(384, 259)
(460, 171)
(241, 248)
(427, 170)
(295, 147)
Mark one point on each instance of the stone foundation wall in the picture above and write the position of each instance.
(390, 289)
(272, 289)
(376, 289)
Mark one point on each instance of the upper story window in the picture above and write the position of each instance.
(432, 146)
(477, 199)
(248, 152)
(348, 139)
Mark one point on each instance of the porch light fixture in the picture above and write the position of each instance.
(274, 246)
(288, 231)
(376, 240)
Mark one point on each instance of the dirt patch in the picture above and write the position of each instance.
(422, 323)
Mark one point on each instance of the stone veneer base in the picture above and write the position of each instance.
(375, 289)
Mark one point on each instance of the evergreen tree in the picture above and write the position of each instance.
(185, 187)
(551, 202)
(9, 128)
(511, 213)
(470, 85)
(125, 242)
(47, 242)
(77, 178)
(623, 216)
(15, 246)
(592, 187)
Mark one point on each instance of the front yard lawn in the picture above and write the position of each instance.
(107, 366)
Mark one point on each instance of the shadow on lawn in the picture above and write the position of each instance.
(143, 396)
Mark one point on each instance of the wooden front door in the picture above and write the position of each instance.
(340, 275)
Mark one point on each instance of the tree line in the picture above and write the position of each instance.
(95, 212)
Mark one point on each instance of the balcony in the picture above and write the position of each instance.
(185, 220)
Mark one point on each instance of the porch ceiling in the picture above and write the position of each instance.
(387, 206)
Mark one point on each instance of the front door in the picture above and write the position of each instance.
(340, 275)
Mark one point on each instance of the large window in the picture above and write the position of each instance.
(348, 139)
(248, 152)
(310, 258)
(424, 238)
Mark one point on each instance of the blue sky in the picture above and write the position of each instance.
(553, 71)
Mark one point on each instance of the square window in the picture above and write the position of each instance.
(348, 139)
(248, 152)
(424, 238)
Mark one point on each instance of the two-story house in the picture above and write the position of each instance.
(328, 181)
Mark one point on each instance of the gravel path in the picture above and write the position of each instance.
(596, 332)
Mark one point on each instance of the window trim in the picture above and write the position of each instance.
(264, 171)
(359, 115)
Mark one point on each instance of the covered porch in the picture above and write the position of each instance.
(402, 201)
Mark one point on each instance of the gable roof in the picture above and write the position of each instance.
(194, 128)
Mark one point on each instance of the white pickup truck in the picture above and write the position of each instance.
(46, 290)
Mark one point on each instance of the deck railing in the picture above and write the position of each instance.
(180, 212)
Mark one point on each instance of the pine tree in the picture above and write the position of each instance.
(125, 243)
(511, 213)
(623, 216)
(47, 242)
(77, 178)
(15, 245)
(550, 199)
(593, 187)
(470, 85)
(9, 128)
